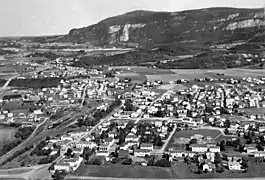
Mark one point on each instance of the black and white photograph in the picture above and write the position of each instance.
(132, 89)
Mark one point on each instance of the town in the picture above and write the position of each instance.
(208, 125)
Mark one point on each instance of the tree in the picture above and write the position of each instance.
(244, 164)
(87, 152)
(163, 163)
(69, 152)
(227, 123)
(260, 147)
(160, 113)
(59, 175)
(158, 141)
(222, 146)
(219, 168)
(217, 158)
(103, 135)
(226, 131)
(186, 126)
(127, 161)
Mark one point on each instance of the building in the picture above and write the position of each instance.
(84, 144)
(234, 166)
(62, 166)
(141, 152)
(214, 149)
(147, 146)
(259, 154)
(131, 137)
(102, 153)
(199, 148)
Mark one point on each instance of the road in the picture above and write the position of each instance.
(9, 153)
(110, 178)
(13, 77)
(107, 118)
(36, 138)
(162, 150)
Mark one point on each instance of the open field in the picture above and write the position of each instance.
(149, 71)
(164, 77)
(203, 132)
(122, 171)
(201, 73)
(172, 87)
(255, 110)
(15, 171)
(180, 144)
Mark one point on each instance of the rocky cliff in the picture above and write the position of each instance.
(203, 26)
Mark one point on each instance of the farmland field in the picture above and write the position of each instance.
(172, 87)
(121, 171)
(164, 77)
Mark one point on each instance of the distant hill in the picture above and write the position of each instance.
(149, 28)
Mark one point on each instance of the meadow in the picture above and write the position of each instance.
(122, 171)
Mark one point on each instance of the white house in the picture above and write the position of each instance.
(199, 148)
(259, 154)
(141, 152)
(131, 137)
(214, 149)
(102, 153)
(147, 146)
(234, 166)
(86, 144)
(62, 166)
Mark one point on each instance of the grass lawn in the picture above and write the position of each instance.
(172, 87)
(15, 171)
(123, 171)
(204, 132)
(149, 71)
(255, 110)
(174, 141)
(164, 77)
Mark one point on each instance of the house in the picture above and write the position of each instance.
(66, 137)
(158, 123)
(251, 148)
(74, 162)
(84, 144)
(78, 150)
(112, 135)
(199, 148)
(76, 135)
(209, 167)
(102, 153)
(129, 144)
(110, 141)
(234, 166)
(147, 146)
(142, 152)
(104, 147)
(62, 166)
(214, 149)
(259, 154)
(131, 137)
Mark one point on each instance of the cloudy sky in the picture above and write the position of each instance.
(44, 17)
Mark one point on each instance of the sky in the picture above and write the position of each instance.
(50, 17)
